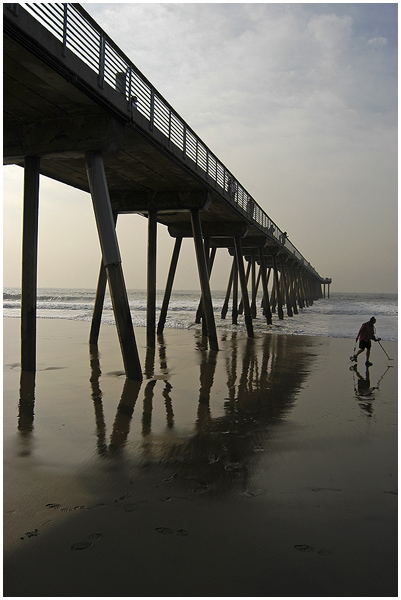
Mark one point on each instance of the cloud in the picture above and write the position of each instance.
(377, 42)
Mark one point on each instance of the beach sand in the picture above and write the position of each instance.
(266, 469)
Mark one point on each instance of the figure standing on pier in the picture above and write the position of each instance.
(231, 187)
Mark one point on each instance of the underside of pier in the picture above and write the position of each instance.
(59, 122)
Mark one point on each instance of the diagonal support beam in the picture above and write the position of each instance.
(199, 313)
(169, 285)
(285, 287)
(278, 290)
(99, 300)
(266, 302)
(244, 290)
(112, 262)
(204, 279)
(228, 292)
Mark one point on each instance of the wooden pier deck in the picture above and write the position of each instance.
(77, 110)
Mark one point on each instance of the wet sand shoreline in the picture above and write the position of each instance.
(266, 469)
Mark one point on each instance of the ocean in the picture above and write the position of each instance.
(338, 316)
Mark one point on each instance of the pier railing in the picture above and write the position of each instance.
(79, 33)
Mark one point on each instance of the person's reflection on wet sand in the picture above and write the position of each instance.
(26, 411)
(363, 391)
(364, 388)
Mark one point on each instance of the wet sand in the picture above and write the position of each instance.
(266, 469)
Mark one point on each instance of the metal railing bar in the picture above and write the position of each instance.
(90, 39)
(47, 20)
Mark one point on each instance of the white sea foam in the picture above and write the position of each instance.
(338, 316)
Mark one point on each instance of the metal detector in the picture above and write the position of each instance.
(384, 350)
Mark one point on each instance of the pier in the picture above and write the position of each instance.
(77, 110)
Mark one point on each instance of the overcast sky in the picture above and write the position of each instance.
(299, 101)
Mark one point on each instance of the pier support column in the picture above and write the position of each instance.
(99, 300)
(244, 290)
(297, 288)
(266, 302)
(29, 263)
(210, 256)
(206, 245)
(112, 262)
(151, 291)
(98, 307)
(303, 288)
(286, 287)
(254, 288)
(169, 285)
(228, 292)
(241, 304)
(278, 290)
(254, 295)
(234, 312)
(273, 294)
(293, 288)
(309, 290)
(204, 279)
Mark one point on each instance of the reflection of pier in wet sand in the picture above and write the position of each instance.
(218, 452)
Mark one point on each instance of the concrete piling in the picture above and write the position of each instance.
(29, 263)
(112, 262)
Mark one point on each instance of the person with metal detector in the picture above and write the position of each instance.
(365, 335)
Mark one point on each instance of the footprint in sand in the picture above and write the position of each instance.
(306, 548)
(181, 532)
(168, 531)
(168, 479)
(35, 532)
(164, 530)
(30, 534)
(201, 489)
(126, 495)
(81, 545)
(133, 507)
(84, 545)
(324, 552)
